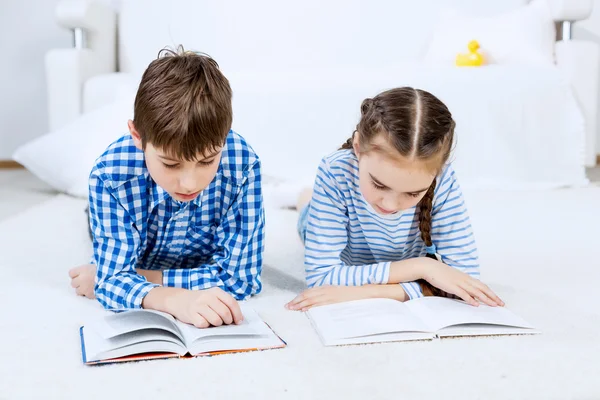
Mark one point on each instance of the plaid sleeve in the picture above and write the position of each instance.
(237, 263)
(115, 244)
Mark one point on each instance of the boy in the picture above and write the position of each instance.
(176, 209)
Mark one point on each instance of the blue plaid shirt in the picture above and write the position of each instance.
(215, 240)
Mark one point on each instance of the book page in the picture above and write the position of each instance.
(137, 342)
(483, 330)
(440, 312)
(208, 345)
(363, 318)
(129, 321)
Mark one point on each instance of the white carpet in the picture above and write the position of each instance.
(539, 252)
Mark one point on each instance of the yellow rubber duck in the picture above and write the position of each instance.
(473, 59)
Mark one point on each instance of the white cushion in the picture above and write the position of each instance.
(523, 36)
(64, 158)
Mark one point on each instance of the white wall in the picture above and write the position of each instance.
(27, 31)
(590, 30)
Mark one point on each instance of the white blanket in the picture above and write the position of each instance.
(517, 127)
(538, 252)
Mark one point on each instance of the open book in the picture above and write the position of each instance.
(146, 334)
(386, 320)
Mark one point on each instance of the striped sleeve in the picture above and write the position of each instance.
(327, 237)
(451, 230)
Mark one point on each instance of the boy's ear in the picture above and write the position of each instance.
(137, 139)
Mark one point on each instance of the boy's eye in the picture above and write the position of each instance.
(377, 186)
(170, 166)
(206, 162)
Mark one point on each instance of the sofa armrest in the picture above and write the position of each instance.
(94, 31)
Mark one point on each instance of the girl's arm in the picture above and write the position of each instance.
(452, 235)
(327, 237)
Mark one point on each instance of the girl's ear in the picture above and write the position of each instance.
(356, 144)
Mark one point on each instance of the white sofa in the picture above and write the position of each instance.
(299, 72)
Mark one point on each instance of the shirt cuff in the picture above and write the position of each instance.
(412, 289)
(136, 294)
(381, 275)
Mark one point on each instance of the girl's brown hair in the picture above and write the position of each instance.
(418, 125)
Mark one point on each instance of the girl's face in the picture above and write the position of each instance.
(391, 183)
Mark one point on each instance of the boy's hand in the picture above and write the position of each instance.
(323, 295)
(455, 282)
(83, 279)
(201, 308)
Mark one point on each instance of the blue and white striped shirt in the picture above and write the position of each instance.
(215, 240)
(348, 243)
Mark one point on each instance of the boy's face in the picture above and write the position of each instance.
(183, 180)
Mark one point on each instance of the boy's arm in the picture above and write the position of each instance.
(237, 263)
(116, 244)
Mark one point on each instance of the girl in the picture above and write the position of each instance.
(387, 217)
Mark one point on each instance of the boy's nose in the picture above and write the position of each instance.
(187, 184)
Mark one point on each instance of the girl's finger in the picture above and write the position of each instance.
(475, 292)
(489, 293)
(310, 301)
(321, 301)
(305, 295)
(460, 292)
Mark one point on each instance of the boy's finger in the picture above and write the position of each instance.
(222, 310)
(75, 283)
(74, 272)
(210, 315)
(199, 321)
(232, 304)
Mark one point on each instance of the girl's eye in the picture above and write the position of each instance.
(171, 166)
(413, 195)
(377, 186)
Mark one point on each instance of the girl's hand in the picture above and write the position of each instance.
(455, 282)
(323, 295)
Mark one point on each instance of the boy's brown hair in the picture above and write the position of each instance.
(183, 104)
